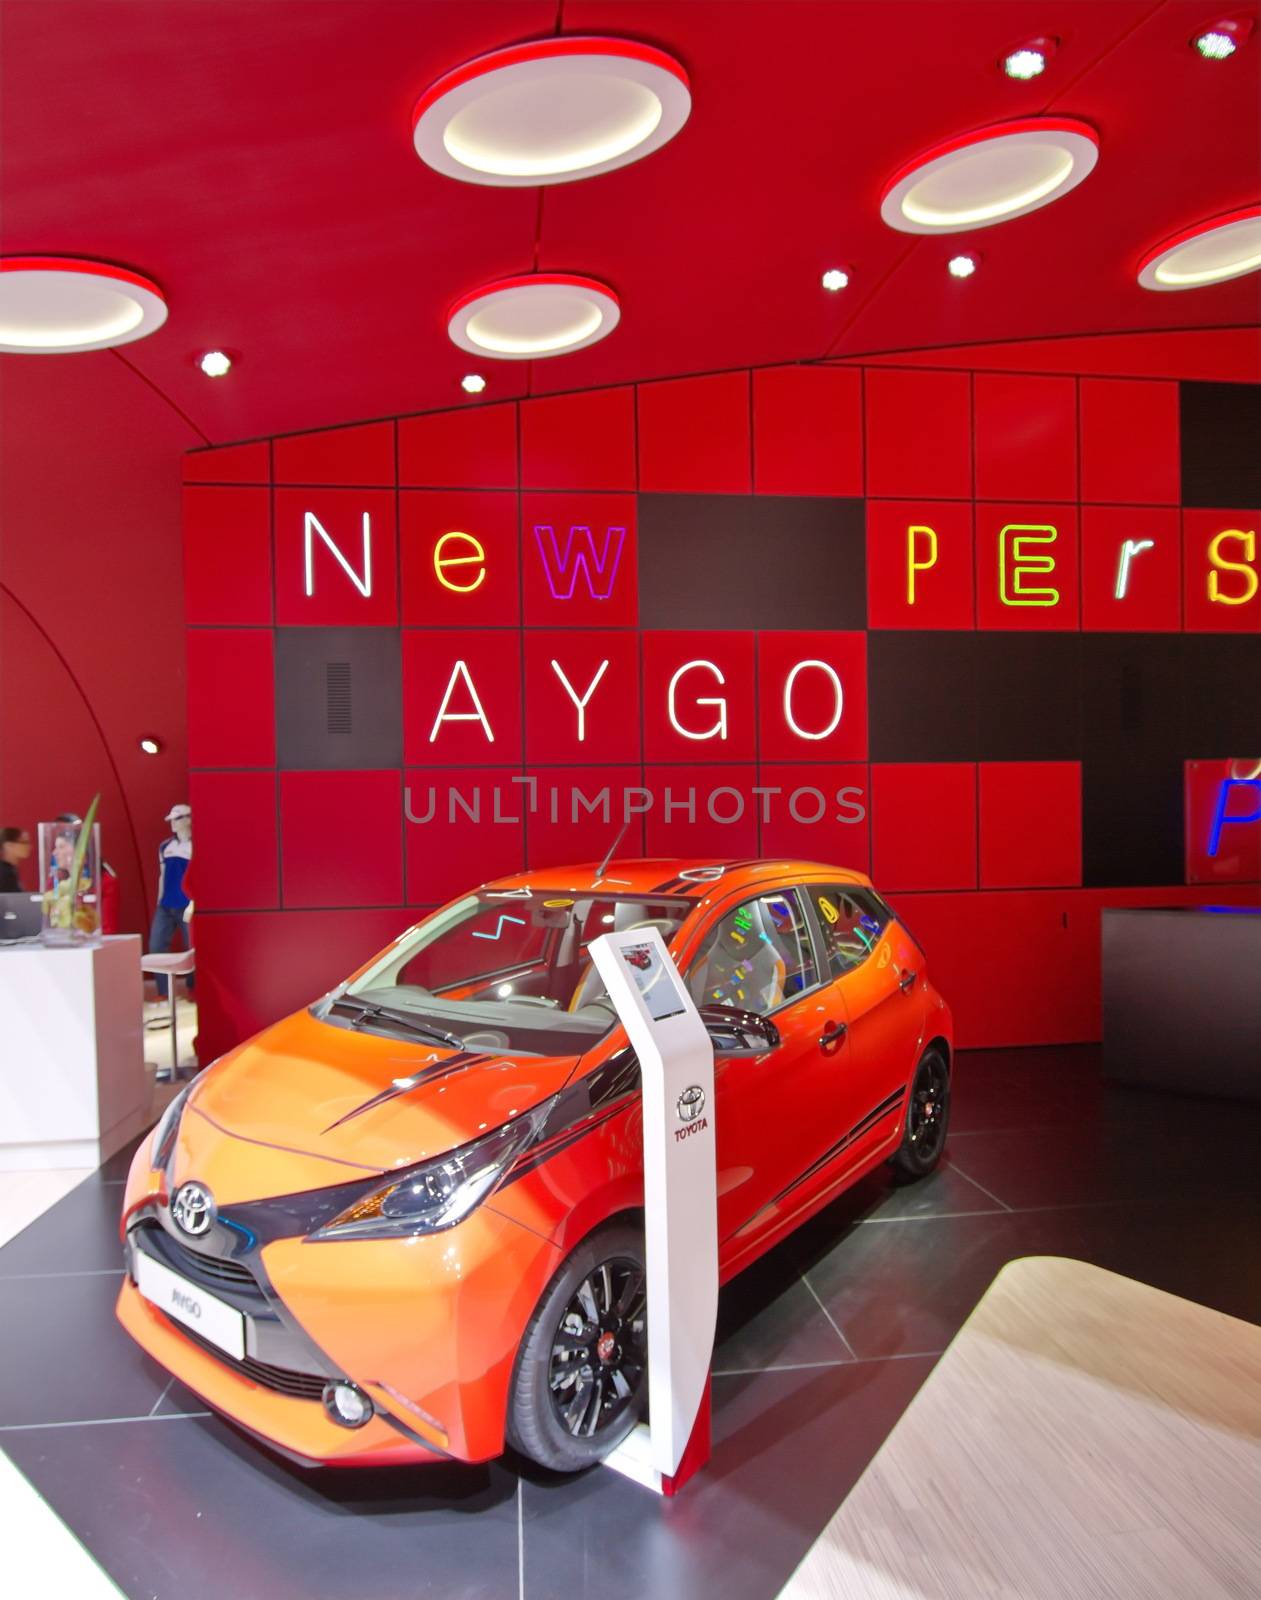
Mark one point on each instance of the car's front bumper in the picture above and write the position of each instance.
(428, 1327)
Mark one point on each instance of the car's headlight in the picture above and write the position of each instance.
(168, 1126)
(436, 1194)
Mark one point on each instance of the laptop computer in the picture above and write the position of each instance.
(21, 916)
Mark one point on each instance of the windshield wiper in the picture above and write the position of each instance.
(363, 1012)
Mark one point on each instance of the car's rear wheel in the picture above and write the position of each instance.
(581, 1375)
(927, 1118)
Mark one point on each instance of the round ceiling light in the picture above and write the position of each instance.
(526, 319)
(990, 176)
(55, 305)
(551, 111)
(1210, 252)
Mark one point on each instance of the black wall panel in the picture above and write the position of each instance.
(1028, 696)
(921, 696)
(339, 699)
(1222, 707)
(1132, 821)
(1132, 695)
(1221, 444)
(745, 561)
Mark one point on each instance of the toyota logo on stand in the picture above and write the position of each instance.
(691, 1103)
(193, 1209)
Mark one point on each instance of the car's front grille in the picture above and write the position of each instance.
(212, 1272)
(283, 1380)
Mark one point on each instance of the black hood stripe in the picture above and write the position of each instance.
(440, 1069)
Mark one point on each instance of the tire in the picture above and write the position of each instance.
(579, 1383)
(927, 1118)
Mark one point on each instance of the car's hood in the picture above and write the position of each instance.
(373, 1103)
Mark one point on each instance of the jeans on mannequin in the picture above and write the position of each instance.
(169, 929)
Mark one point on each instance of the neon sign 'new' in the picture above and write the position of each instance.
(562, 566)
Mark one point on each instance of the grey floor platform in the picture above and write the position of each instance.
(822, 1347)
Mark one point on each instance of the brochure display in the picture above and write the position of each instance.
(676, 1061)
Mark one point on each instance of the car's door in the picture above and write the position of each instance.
(874, 967)
(774, 1106)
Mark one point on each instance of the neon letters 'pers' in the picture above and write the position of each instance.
(1219, 564)
(912, 565)
(1015, 543)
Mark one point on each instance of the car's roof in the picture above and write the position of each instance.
(684, 876)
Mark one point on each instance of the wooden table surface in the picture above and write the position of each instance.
(1084, 1437)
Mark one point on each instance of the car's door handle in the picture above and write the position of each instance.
(832, 1035)
(906, 980)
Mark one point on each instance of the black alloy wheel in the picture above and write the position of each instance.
(600, 1348)
(927, 1118)
(580, 1380)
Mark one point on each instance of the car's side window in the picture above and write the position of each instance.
(757, 956)
(852, 920)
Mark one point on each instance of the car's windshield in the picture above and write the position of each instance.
(502, 970)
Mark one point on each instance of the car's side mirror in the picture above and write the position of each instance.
(733, 1029)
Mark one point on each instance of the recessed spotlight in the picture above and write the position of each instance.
(150, 745)
(55, 305)
(991, 176)
(1210, 252)
(1215, 46)
(962, 266)
(526, 319)
(215, 363)
(472, 383)
(551, 111)
(835, 278)
(1025, 64)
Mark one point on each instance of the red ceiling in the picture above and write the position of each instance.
(254, 156)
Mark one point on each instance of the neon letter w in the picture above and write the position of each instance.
(563, 564)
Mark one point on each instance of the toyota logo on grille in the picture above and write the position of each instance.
(193, 1209)
(691, 1103)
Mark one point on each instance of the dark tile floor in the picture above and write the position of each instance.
(821, 1347)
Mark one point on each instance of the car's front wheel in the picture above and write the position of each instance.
(927, 1118)
(581, 1376)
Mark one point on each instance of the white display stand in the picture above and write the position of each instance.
(73, 1086)
(676, 1060)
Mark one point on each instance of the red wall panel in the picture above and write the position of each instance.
(1221, 584)
(701, 811)
(473, 449)
(579, 812)
(1129, 441)
(462, 697)
(1026, 437)
(238, 867)
(812, 696)
(1150, 578)
(582, 696)
(920, 564)
(255, 967)
(359, 455)
(231, 697)
(795, 822)
(923, 825)
(579, 560)
(341, 838)
(807, 431)
(698, 697)
(1030, 824)
(579, 441)
(366, 595)
(1015, 588)
(919, 434)
(694, 435)
(227, 556)
(233, 463)
(463, 827)
(459, 559)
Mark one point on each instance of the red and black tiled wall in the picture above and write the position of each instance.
(980, 634)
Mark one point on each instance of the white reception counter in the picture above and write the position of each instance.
(73, 1086)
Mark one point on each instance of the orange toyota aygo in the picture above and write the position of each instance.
(405, 1224)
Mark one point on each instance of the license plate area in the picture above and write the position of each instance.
(218, 1323)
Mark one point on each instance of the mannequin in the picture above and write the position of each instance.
(169, 925)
